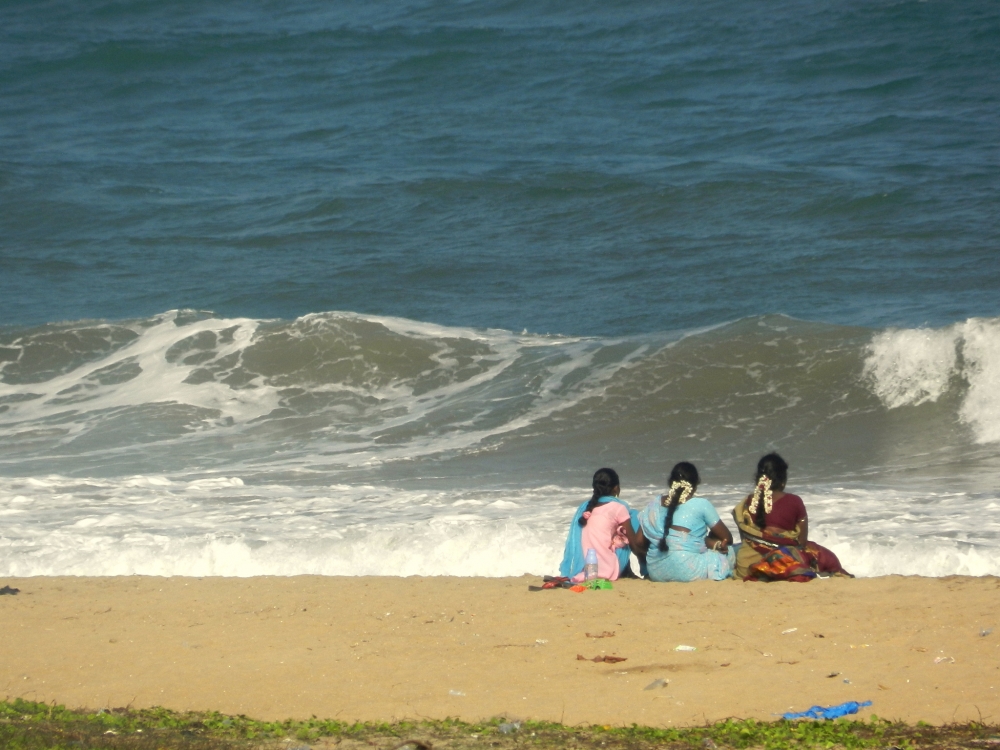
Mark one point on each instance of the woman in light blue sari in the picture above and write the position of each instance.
(687, 539)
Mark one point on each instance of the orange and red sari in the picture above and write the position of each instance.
(773, 554)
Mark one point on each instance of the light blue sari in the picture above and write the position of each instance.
(687, 557)
(572, 562)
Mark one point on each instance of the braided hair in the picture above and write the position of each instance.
(605, 481)
(683, 482)
(774, 469)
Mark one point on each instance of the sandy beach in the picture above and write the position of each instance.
(394, 648)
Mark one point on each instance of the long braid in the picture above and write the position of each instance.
(683, 482)
(605, 481)
(761, 500)
(772, 473)
(590, 506)
(668, 521)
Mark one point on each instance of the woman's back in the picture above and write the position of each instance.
(595, 526)
(697, 515)
(787, 512)
(775, 530)
(601, 534)
(686, 558)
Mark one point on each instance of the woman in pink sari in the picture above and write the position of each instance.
(775, 530)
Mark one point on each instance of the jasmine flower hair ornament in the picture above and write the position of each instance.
(686, 492)
(762, 490)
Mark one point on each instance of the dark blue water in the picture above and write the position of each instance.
(591, 168)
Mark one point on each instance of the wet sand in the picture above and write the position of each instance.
(473, 648)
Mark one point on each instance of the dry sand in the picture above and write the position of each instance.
(393, 648)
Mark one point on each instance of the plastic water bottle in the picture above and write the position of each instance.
(590, 565)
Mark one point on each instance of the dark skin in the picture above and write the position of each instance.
(719, 537)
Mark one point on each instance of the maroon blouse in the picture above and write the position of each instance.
(787, 512)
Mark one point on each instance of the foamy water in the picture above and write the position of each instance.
(340, 444)
(911, 367)
(222, 527)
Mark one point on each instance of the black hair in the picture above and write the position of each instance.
(775, 468)
(605, 480)
(682, 472)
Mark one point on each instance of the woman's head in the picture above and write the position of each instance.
(684, 481)
(772, 474)
(685, 471)
(775, 468)
(606, 483)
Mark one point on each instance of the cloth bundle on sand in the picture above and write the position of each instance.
(773, 554)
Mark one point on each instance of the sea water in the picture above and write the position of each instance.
(374, 288)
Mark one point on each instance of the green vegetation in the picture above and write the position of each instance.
(25, 725)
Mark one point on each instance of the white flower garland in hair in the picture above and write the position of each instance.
(763, 489)
(686, 492)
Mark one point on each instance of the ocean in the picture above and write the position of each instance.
(374, 288)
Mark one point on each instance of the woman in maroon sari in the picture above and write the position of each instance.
(775, 530)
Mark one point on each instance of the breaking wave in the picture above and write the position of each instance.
(187, 444)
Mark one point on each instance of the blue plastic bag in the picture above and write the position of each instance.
(829, 712)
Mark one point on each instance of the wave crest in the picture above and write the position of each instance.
(910, 367)
(341, 392)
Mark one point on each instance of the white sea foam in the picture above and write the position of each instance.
(261, 406)
(907, 531)
(140, 374)
(981, 353)
(160, 525)
(359, 391)
(914, 366)
(915, 558)
(910, 367)
(220, 526)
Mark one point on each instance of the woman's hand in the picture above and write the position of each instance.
(719, 538)
(636, 539)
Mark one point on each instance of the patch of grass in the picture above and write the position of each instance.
(26, 725)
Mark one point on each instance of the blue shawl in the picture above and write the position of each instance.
(572, 562)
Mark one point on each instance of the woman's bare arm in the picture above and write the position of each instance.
(637, 541)
(722, 535)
